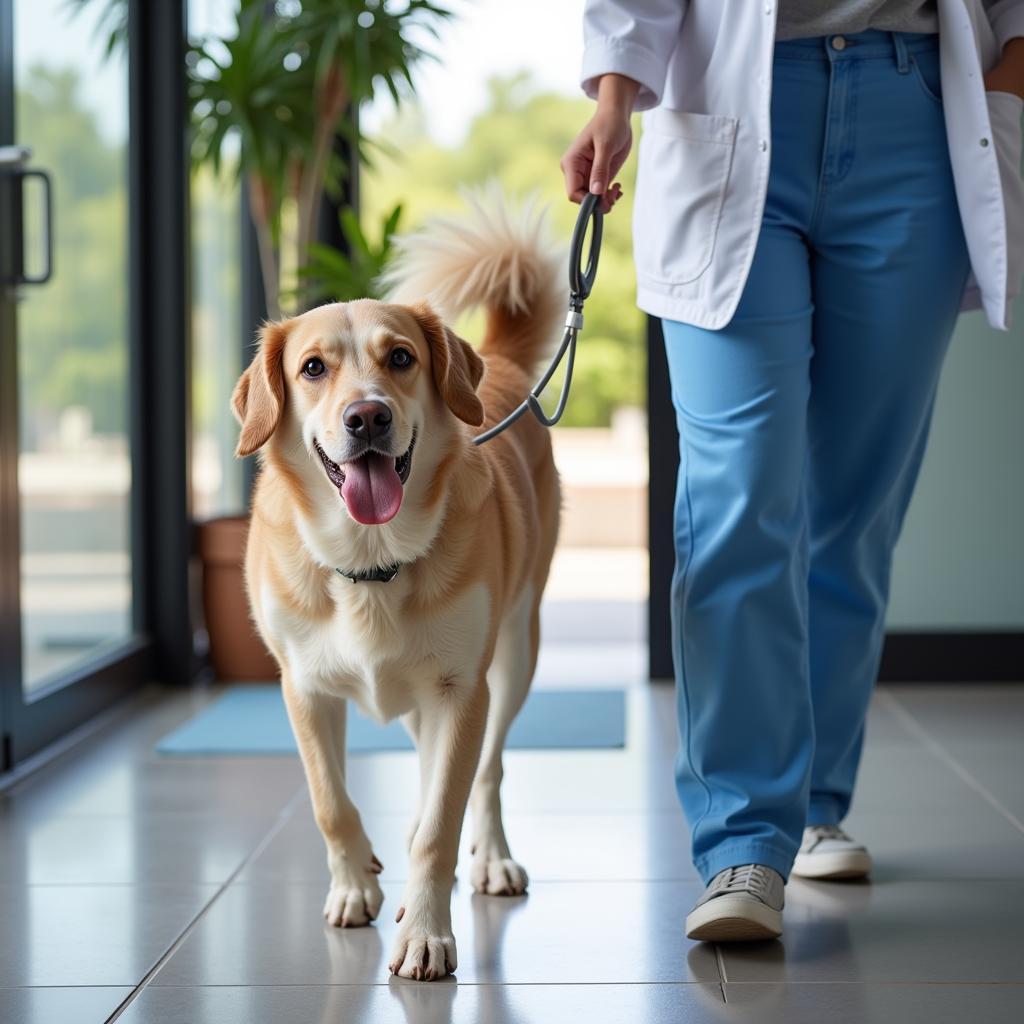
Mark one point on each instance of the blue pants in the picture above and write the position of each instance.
(802, 428)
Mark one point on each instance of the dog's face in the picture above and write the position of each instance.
(373, 391)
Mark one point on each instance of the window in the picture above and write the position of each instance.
(217, 343)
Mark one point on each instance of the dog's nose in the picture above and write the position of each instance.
(367, 420)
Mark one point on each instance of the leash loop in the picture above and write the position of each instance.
(581, 281)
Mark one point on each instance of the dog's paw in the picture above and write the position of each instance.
(422, 956)
(352, 903)
(498, 876)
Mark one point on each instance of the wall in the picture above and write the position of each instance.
(960, 561)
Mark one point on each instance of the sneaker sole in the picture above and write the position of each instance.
(733, 919)
(855, 864)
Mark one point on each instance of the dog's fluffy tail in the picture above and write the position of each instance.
(499, 258)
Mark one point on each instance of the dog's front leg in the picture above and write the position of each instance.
(452, 728)
(318, 722)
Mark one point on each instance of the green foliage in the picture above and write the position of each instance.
(365, 37)
(334, 276)
(282, 86)
(242, 86)
(603, 379)
(518, 138)
(269, 83)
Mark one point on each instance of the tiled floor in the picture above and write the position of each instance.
(188, 891)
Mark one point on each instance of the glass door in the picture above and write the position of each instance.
(66, 599)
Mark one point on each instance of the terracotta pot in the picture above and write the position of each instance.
(236, 650)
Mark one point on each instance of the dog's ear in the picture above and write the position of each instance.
(456, 367)
(258, 399)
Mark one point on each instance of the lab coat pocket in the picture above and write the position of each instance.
(1005, 110)
(683, 171)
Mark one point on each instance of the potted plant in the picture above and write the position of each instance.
(282, 88)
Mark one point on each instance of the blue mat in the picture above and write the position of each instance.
(252, 720)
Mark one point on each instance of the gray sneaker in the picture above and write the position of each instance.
(740, 904)
(828, 852)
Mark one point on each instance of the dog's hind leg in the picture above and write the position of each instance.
(515, 657)
(318, 722)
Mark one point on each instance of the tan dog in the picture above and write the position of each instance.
(363, 413)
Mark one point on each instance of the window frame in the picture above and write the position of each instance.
(161, 646)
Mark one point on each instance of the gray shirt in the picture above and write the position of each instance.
(800, 18)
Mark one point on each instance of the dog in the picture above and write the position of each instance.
(393, 563)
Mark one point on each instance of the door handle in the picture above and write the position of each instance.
(12, 168)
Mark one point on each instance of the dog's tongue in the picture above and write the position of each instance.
(372, 489)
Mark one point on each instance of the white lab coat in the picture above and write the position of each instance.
(705, 74)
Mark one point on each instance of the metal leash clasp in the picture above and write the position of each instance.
(581, 281)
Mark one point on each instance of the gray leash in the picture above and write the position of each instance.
(580, 284)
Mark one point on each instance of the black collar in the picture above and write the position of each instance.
(381, 574)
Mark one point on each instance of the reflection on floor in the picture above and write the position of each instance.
(190, 890)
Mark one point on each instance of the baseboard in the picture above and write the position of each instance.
(927, 658)
(943, 657)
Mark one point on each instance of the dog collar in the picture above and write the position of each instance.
(381, 574)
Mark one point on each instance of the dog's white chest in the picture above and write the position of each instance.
(386, 664)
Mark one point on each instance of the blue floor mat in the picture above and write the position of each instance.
(252, 720)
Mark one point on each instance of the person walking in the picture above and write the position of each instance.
(821, 186)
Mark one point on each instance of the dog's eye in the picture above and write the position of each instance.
(401, 358)
(313, 367)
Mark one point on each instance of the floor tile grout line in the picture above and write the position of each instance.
(880, 983)
(12, 988)
(396, 881)
(588, 983)
(915, 727)
(282, 818)
(393, 879)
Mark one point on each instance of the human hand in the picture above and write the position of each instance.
(1008, 74)
(599, 151)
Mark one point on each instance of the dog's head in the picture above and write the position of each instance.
(371, 392)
